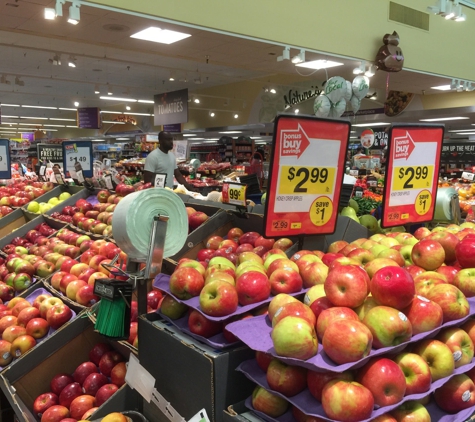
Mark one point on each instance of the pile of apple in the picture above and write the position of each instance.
(195, 218)
(4, 210)
(78, 395)
(221, 286)
(23, 323)
(20, 193)
(42, 207)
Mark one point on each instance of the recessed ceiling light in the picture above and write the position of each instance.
(441, 119)
(372, 124)
(229, 132)
(164, 36)
(236, 116)
(127, 108)
(319, 64)
(125, 100)
(76, 104)
(442, 87)
(50, 14)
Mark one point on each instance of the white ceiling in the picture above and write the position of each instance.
(105, 54)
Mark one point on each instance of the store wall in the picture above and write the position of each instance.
(345, 27)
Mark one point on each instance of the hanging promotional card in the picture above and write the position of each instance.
(5, 162)
(306, 175)
(80, 152)
(412, 171)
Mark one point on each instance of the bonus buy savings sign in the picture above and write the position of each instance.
(412, 173)
(306, 175)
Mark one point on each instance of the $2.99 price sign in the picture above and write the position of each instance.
(306, 174)
(234, 194)
(411, 175)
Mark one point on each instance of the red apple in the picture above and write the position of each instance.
(55, 413)
(43, 402)
(37, 328)
(347, 285)
(392, 286)
(198, 324)
(108, 361)
(58, 315)
(118, 374)
(104, 393)
(59, 381)
(252, 287)
(428, 254)
(98, 351)
(286, 379)
(186, 283)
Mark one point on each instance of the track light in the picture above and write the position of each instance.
(19, 82)
(74, 13)
(50, 13)
(56, 60)
(172, 77)
(72, 61)
(371, 71)
(299, 58)
(196, 100)
(198, 80)
(3, 80)
(448, 9)
(109, 90)
(59, 7)
(285, 55)
(454, 84)
(97, 89)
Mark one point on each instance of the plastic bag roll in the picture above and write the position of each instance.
(443, 205)
(132, 222)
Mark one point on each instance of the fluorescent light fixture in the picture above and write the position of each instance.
(122, 139)
(164, 36)
(285, 55)
(196, 139)
(30, 106)
(8, 123)
(229, 132)
(140, 114)
(372, 124)
(10, 105)
(50, 13)
(125, 100)
(299, 58)
(189, 134)
(31, 124)
(441, 119)
(55, 125)
(74, 13)
(33, 118)
(12, 117)
(62, 119)
(442, 87)
(71, 126)
(146, 101)
(67, 109)
(110, 112)
(113, 122)
(319, 64)
(465, 133)
(462, 130)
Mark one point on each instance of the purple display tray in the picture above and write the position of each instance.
(31, 298)
(436, 414)
(310, 406)
(92, 199)
(256, 333)
(218, 341)
(162, 282)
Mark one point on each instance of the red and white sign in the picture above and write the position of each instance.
(306, 174)
(412, 174)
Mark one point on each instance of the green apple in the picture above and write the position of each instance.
(53, 201)
(64, 196)
(438, 356)
(172, 308)
(33, 206)
(294, 337)
(363, 309)
(411, 411)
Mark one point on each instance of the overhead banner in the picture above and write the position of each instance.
(50, 152)
(5, 163)
(89, 118)
(171, 108)
(412, 171)
(306, 175)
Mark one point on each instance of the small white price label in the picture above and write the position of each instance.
(354, 173)
(59, 178)
(42, 170)
(160, 180)
(234, 194)
(79, 176)
(108, 181)
(3, 158)
(468, 176)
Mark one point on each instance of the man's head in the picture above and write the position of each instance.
(360, 150)
(166, 141)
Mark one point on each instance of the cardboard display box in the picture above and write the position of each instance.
(239, 413)
(30, 375)
(12, 221)
(20, 232)
(54, 193)
(189, 374)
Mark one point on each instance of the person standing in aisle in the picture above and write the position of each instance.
(359, 153)
(162, 160)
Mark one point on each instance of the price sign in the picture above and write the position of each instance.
(412, 170)
(108, 182)
(160, 180)
(5, 164)
(306, 175)
(468, 176)
(234, 194)
(78, 152)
